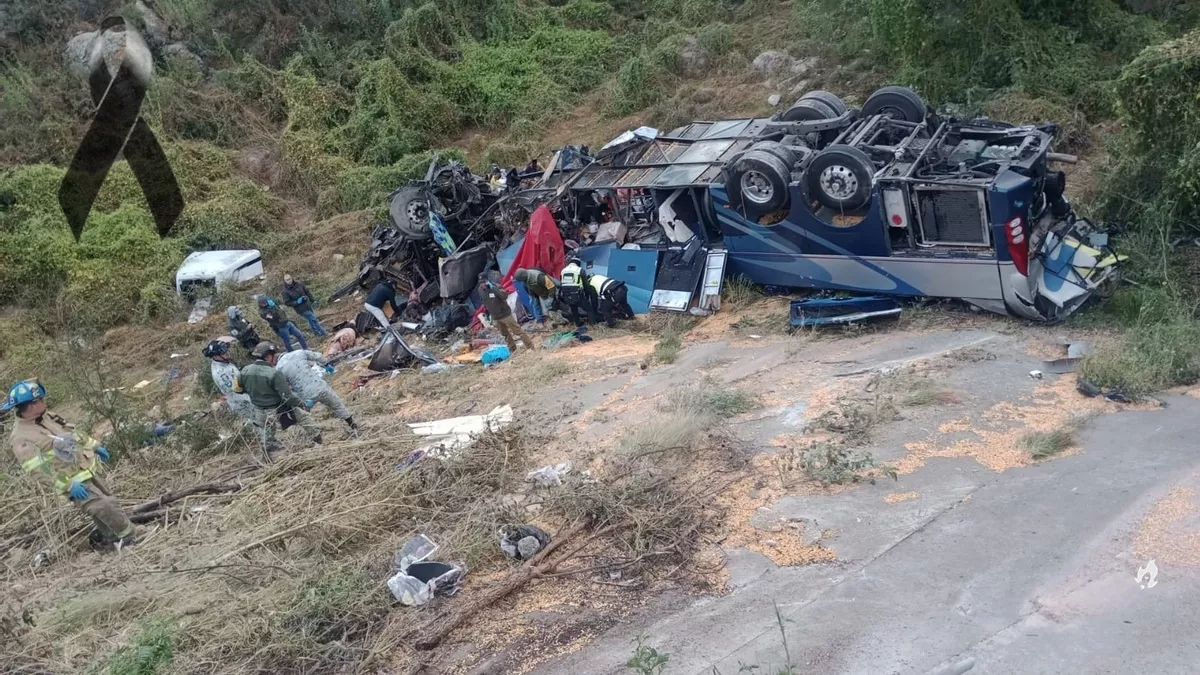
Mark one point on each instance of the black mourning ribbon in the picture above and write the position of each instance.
(118, 126)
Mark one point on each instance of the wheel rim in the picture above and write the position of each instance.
(418, 212)
(893, 112)
(756, 187)
(839, 182)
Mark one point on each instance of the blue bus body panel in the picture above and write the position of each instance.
(803, 251)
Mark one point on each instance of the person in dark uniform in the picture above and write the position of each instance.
(383, 294)
(613, 299)
(575, 294)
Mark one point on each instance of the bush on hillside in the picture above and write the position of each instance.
(199, 167)
(99, 295)
(637, 86)
(588, 15)
(182, 104)
(309, 168)
(1152, 180)
(35, 259)
(34, 190)
(127, 239)
(1017, 107)
(234, 219)
(367, 187)
(955, 51)
(392, 117)
(495, 84)
(716, 38)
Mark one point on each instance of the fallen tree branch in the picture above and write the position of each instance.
(433, 632)
(171, 497)
(147, 516)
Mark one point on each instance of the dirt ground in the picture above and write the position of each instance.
(903, 393)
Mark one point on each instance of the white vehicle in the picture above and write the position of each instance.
(210, 269)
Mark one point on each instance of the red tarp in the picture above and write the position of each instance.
(542, 248)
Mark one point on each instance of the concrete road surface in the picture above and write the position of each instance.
(1032, 570)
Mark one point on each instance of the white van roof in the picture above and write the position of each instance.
(210, 264)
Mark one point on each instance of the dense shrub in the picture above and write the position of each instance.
(588, 15)
(1017, 107)
(716, 38)
(636, 86)
(532, 78)
(367, 187)
(961, 51)
(1152, 180)
(35, 259)
(234, 219)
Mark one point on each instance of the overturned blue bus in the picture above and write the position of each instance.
(889, 198)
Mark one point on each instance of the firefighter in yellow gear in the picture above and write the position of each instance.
(47, 446)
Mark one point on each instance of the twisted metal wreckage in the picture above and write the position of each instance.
(887, 200)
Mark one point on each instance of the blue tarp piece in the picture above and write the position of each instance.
(637, 269)
(507, 255)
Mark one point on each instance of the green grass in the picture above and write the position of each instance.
(739, 292)
(151, 652)
(710, 398)
(1159, 346)
(668, 347)
(1043, 444)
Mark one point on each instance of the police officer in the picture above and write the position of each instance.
(574, 293)
(614, 298)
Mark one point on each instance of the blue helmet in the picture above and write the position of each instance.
(22, 393)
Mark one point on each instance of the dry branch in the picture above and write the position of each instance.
(170, 497)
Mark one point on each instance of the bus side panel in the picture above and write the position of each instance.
(947, 278)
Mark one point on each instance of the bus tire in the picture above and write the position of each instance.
(409, 211)
(901, 103)
(761, 181)
(841, 178)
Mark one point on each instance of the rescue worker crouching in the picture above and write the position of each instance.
(306, 381)
(47, 445)
(273, 400)
(614, 298)
(540, 289)
(241, 329)
(225, 377)
(383, 294)
(575, 295)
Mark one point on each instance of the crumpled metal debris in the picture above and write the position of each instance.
(1075, 353)
(522, 542)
